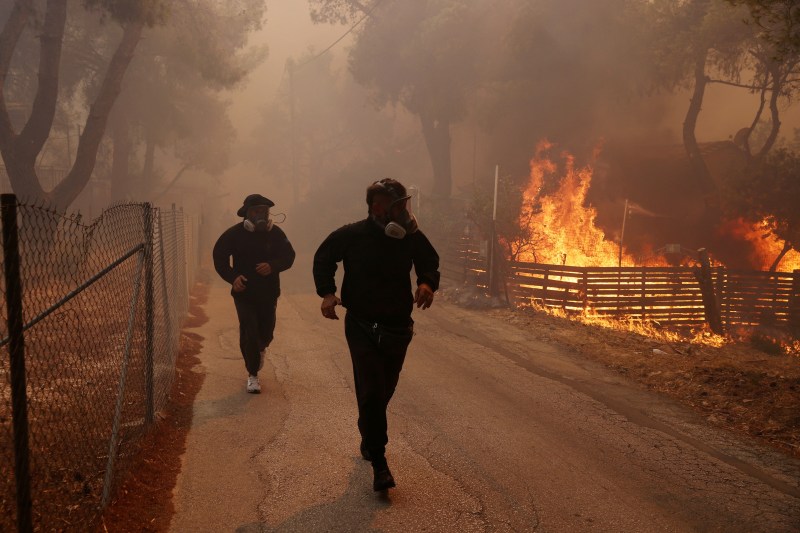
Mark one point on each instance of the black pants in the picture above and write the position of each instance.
(256, 327)
(377, 353)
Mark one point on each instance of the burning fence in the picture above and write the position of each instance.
(564, 263)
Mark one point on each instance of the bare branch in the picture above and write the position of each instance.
(734, 84)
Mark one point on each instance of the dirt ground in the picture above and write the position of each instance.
(143, 499)
(744, 386)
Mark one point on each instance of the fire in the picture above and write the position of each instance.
(565, 228)
(701, 336)
(564, 232)
(766, 246)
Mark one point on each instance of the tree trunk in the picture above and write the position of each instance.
(20, 151)
(9, 37)
(786, 248)
(438, 142)
(72, 185)
(696, 161)
(777, 87)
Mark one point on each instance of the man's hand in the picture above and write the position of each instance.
(264, 269)
(239, 283)
(329, 303)
(424, 296)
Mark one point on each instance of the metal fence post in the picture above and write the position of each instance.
(167, 299)
(19, 399)
(149, 415)
(184, 255)
(175, 244)
(123, 378)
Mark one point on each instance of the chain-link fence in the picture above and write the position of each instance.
(89, 331)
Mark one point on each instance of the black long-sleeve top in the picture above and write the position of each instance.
(377, 281)
(248, 248)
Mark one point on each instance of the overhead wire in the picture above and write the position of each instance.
(337, 41)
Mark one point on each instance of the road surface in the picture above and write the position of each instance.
(489, 431)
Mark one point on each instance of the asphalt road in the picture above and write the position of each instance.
(489, 431)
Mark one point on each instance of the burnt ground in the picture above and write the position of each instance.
(143, 498)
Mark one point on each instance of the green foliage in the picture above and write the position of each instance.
(682, 31)
(778, 22)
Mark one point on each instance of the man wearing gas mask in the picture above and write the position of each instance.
(260, 251)
(377, 254)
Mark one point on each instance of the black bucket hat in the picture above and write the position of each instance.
(253, 200)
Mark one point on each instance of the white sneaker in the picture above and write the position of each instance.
(263, 354)
(253, 385)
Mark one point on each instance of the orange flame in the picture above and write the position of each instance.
(766, 246)
(566, 234)
(565, 227)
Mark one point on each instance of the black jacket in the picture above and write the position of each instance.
(248, 248)
(377, 284)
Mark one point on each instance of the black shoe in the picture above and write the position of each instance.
(382, 479)
(365, 452)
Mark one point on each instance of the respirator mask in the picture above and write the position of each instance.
(401, 224)
(258, 220)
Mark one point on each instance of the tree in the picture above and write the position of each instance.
(769, 195)
(514, 227)
(20, 150)
(703, 42)
(779, 23)
(419, 54)
(172, 102)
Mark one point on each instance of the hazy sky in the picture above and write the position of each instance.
(288, 32)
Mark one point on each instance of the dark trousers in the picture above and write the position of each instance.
(256, 327)
(377, 353)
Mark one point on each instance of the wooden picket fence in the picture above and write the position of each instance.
(669, 295)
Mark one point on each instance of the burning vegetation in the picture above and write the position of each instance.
(558, 225)
(562, 261)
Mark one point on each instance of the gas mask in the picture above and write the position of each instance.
(402, 224)
(258, 222)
